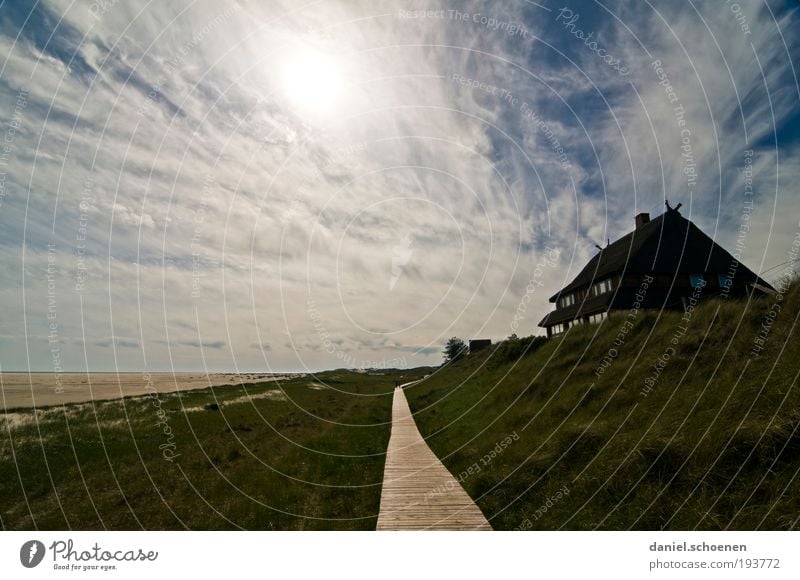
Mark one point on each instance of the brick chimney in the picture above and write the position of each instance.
(642, 219)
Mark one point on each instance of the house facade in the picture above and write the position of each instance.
(662, 263)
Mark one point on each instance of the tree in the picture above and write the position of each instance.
(454, 349)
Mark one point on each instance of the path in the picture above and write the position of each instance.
(418, 492)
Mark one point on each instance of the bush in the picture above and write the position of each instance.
(515, 348)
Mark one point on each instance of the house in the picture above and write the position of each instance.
(479, 344)
(662, 263)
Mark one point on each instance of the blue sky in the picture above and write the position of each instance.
(287, 186)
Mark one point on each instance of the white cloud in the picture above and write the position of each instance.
(232, 208)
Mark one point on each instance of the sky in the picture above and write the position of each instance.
(288, 186)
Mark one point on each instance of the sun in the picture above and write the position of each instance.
(312, 80)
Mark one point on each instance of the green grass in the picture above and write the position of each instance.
(312, 459)
(715, 444)
(541, 440)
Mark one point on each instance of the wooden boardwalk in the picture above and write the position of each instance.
(418, 492)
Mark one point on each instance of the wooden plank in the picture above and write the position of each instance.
(418, 492)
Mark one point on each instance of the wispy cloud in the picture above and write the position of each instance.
(160, 185)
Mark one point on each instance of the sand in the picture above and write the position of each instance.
(44, 389)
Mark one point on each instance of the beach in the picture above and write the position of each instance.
(23, 390)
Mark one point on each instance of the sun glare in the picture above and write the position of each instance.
(312, 80)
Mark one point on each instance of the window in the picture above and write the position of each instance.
(725, 281)
(599, 288)
(597, 318)
(697, 280)
(567, 300)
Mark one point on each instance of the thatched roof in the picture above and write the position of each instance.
(668, 244)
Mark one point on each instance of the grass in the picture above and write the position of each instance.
(288, 456)
(713, 443)
(544, 434)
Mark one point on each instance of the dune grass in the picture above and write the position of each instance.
(301, 454)
(544, 434)
(710, 440)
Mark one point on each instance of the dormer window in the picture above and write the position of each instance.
(602, 287)
(567, 300)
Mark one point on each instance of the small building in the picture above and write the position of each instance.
(662, 264)
(479, 344)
